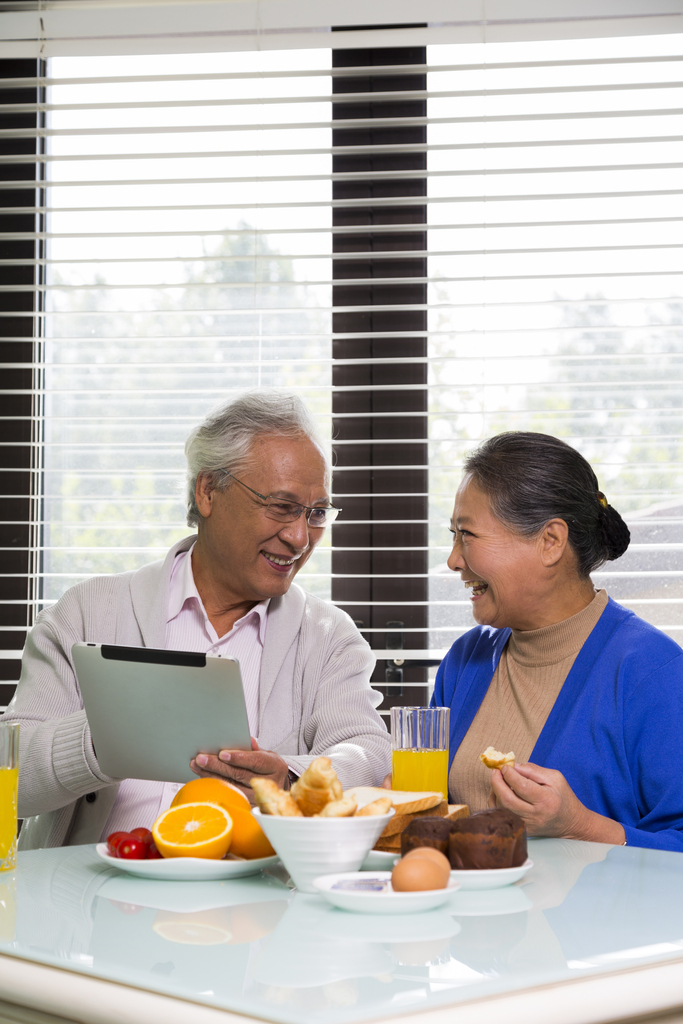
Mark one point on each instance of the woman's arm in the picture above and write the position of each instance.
(546, 803)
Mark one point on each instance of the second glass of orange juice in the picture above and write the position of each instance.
(419, 742)
(9, 778)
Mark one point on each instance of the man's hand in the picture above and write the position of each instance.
(548, 806)
(239, 767)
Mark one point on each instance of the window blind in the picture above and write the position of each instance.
(187, 240)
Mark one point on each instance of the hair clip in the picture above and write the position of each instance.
(603, 500)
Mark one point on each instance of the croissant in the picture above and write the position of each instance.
(273, 800)
(344, 808)
(317, 787)
(381, 806)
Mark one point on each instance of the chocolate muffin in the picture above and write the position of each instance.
(487, 839)
(429, 831)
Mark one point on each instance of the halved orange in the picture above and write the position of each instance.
(193, 830)
(248, 838)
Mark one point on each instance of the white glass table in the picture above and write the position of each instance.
(593, 933)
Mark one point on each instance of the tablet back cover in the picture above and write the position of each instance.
(151, 711)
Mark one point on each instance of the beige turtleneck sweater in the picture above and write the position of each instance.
(521, 695)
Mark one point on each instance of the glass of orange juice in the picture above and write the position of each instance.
(419, 749)
(9, 780)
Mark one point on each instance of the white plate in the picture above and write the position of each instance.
(493, 878)
(379, 860)
(186, 869)
(386, 902)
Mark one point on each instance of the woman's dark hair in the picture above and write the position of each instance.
(532, 478)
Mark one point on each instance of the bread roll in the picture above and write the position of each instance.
(493, 758)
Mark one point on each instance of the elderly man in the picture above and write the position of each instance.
(259, 495)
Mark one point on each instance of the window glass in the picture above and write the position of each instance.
(556, 296)
(188, 260)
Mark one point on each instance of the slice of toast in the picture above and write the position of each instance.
(458, 811)
(399, 820)
(402, 801)
(389, 844)
(390, 840)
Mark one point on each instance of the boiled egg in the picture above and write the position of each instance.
(429, 853)
(417, 874)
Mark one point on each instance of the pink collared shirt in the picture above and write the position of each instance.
(140, 802)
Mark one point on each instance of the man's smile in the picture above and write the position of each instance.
(280, 562)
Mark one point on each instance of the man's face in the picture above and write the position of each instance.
(249, 556)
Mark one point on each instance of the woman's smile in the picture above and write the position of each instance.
(478, 588)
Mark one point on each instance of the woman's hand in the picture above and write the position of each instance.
(547, 805)
(240, 766)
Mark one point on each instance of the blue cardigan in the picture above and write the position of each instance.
(616, 729)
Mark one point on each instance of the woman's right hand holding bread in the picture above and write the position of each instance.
(545, 802)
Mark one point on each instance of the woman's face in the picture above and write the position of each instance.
(503, 570)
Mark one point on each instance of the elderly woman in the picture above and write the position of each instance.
(587, 695)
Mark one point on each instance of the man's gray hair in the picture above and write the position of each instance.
(222, 443)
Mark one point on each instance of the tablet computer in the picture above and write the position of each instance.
(151, 711)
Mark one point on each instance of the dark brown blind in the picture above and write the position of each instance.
(17, 271)
(379, 401)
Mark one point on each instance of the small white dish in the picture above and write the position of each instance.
(379, 860)
(186, 869)
(493, 878)
(385, 901)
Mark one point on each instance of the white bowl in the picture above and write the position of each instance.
(310, 847)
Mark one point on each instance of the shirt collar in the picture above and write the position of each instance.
(183, 588)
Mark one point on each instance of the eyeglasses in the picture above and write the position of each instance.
(289, 511)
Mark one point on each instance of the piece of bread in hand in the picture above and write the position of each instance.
(273, 800)
(493, 758)
(402, 801)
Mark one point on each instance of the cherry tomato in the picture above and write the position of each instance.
(132, 848)
(114, 839)
(145, 834)
(153, 853)
(126, 908)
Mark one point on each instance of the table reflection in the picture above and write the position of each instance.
(256, 946)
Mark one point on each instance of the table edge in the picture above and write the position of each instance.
(619, 995)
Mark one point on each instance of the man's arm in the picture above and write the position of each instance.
(339, 717)
(57, 760)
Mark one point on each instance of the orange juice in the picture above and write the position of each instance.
(9, 780)
(416, 770)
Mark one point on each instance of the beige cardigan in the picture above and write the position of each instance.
(315, 697)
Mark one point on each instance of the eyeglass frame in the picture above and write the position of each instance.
(309, 509)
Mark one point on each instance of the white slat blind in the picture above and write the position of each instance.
(556, 205)
(187, 254)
